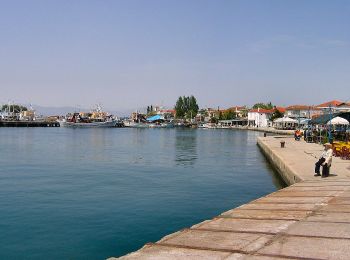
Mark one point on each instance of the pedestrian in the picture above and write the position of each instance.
(325, 161)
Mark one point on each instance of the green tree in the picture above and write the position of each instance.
(13, 108)
(263, 105)
(228, 115)
(276, 114)
(186, 107)
(179, 108)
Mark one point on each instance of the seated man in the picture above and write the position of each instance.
(297, 135)
(325, 160)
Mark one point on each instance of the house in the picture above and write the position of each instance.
(333, 103)
(167, 113)
(343, 107)
(259, 117)
(302, 112)
(240, 111)
(335, 106)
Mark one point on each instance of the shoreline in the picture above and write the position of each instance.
(309, 219)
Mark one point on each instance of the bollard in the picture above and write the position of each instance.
(282, 144)
(265, 134)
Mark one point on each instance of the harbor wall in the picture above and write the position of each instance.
(29, 124)
(284, 170)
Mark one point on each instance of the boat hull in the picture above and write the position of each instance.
(88, 125)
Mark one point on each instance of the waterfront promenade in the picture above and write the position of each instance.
(308, 220)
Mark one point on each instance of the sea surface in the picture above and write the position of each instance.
(96, 193)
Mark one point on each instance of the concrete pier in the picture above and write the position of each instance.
(308, 220)
(29, 123)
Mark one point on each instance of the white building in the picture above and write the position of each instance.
(302, 112)
(259, 117)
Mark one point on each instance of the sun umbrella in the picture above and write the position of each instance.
(338, 121)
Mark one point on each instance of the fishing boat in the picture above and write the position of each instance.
(96, 118)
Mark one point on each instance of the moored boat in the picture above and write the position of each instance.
(96, 118)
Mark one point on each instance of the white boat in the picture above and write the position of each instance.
(131, 123)
(65, 123)
(161, 125)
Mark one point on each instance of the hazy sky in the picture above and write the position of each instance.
(129, 54)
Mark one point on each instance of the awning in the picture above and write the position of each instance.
(338, 121)
(323, 119)
(155, 118)
(285, 120)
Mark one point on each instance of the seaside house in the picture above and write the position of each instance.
(259, 117)
(166, 113)
(334, 106)
(301, 112)
(240, 111)
(343, 107)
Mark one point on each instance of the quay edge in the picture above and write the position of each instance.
(310, 219)
(285, 171)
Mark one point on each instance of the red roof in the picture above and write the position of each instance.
(332, 103)
(263, 111)
(281, 109)
(300, 107)
(237, 108)
(167, 111)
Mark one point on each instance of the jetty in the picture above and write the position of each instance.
(308, 220)
(14, 123)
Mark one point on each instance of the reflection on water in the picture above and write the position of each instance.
(186, 148)
(96, 193)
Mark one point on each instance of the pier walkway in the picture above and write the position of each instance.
(307, 220)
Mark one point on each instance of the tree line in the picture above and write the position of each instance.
(186, 107)
(13, 108)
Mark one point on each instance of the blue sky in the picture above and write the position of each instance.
(129, 54)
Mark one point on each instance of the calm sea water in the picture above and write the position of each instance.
(96, 193)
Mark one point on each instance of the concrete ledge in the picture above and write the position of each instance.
(308, 220)
(281, 165)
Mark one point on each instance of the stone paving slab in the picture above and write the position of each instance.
(318, 188)
(291, 199)
(202, 239)
(266, 214)
(340, 201)
(336, 208)
(247, 225)
(256, 257)
(279, 206)
(157, 252)
(309, 247)
(324, 216)
(293, 193)
(320, 229)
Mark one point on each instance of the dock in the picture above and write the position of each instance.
(29, 123)
(308, 220)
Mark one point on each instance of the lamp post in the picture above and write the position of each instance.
(330, 125)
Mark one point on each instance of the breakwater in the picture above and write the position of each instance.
(29, 124)
(308, 220)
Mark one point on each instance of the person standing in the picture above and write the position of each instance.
(325, 160)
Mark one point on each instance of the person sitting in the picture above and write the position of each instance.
(297, 135)
(325, 160)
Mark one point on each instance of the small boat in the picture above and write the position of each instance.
(96, 118)
(132, 123)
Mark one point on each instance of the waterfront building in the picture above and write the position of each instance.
(335, 106)
(343, 107)
(240, 111)
(233, 123)
(300, 112)
(260, 117)
(285, 123)
(166, 113)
